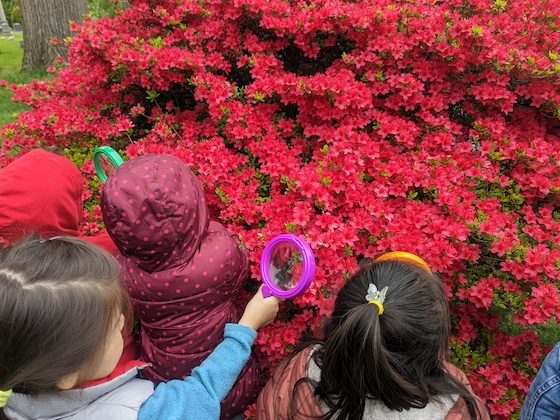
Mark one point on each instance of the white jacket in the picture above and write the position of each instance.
(117, 399)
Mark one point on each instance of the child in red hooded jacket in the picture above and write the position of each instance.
(41, 192)
(182, 270)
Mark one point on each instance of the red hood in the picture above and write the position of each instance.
(39, 192)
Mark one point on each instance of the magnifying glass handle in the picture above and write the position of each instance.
(266, 292)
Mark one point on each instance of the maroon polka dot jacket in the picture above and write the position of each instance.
(182, 270)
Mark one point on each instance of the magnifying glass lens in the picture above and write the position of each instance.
(286, 266)
(106, 165)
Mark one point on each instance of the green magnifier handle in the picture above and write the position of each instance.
(109, 154)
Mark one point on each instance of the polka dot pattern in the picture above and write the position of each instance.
(183, 271)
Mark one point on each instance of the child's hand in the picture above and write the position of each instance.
(260, 311)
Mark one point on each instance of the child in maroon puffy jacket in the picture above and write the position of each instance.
(182, 270)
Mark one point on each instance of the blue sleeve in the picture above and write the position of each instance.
(198, 397)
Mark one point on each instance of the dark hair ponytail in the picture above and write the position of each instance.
(354, 359)
(397, 357)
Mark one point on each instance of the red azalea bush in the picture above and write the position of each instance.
(364, 126)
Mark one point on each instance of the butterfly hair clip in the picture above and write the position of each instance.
(376, 297)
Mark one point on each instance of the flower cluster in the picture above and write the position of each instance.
(363, 126)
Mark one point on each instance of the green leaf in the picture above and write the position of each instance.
(477, 31)
(259, 96)
(152, 95)
(290, 227)
(156, 42)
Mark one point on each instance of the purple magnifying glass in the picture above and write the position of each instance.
(287, 267)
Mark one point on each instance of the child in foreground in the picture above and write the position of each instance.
(62, 315)
(383, 356)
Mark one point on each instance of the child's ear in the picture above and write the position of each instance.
(68, 381)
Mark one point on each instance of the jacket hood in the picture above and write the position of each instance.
(39, 192)
(155, 211)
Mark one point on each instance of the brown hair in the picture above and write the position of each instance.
(59, 298)
(396, 358)
(56, 150)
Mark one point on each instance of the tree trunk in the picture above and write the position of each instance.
(44, 20)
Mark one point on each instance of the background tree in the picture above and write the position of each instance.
(4, 27)
(12, 11)
(44, 20)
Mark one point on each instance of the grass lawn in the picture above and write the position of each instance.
(11, 55)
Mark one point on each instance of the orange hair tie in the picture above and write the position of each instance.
(406, 257)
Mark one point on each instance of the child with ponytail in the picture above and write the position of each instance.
(383, 355)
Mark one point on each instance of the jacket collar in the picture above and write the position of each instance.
(65, 403)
